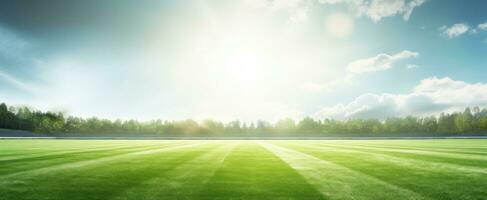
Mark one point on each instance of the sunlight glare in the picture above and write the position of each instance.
(244, 66)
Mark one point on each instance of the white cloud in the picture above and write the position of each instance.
(455, 30)
(410, 7)
(373, 9)
(431, 96)
(296, 9)
(459, 29)
(412, 66)
(378, 9)
(379, 62)
(482, 26)
(299, 15)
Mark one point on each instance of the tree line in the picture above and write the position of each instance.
(470, 121)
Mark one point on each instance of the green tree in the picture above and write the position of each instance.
(308, 126)
(429, 124)
(464, 121)
(285, 126)
(446, 123)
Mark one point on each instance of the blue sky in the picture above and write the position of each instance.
(247, 60)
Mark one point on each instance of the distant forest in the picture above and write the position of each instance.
(469, 122)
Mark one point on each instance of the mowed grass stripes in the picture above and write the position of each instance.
(365, 169)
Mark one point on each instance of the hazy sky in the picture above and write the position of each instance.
(247, 60)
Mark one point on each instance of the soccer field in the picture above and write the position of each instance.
(277, 169)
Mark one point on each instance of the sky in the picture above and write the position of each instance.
(244, 60)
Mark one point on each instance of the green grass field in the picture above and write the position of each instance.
(353, 169)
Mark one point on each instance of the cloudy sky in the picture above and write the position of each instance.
(247, 60)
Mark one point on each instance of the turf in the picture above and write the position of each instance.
(143, 169)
